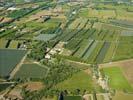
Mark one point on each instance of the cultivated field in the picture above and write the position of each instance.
(79, 80)
(31, 71)
(116, 79)
(13, 57)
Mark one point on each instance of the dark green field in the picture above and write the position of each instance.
(31, 71)
(9, 58)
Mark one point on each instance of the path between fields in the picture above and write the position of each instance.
(18, 65)
(78, 62)
(123, 63)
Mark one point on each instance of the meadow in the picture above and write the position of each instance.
(80, 80)
(117, 80)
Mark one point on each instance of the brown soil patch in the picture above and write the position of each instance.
(32, 86)
(16, 92)
(4, 20)
(87, 71)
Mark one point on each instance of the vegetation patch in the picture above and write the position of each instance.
(80, 80)
(9, 59)
(116, 79)
(34, 71)
(45, 37)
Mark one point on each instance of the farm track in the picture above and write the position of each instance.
(117, 63)
(18, 65)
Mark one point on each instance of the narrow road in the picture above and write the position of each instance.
(18, 66)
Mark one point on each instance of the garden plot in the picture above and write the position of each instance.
(100, 97)
(81, 34)
(90, 50)
(31, 71)
(102, 53)
(71, 35)
(83, 12)
(84, 46)
(74, 24)
(13, 44)
(102, 35)
(90, 33)
(104, 14)
(122, 23)
(9, 59)
(95, 52)
(46, 25)
(83, 23)
(72, 44)
(19, 13)
(107, 14)
(127, 33)
(44, 37)
(111, 50)
(124, 15)
(3, 43)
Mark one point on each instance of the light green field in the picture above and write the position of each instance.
(80, 80)
(122, 96)
(124, 51)
(13, 44)
(3, 43)
(104, 14)
(100, 97)
(116, 79)
(73, 98)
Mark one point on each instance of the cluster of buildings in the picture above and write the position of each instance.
(58, 49)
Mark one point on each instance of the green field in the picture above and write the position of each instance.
(4, 86)
(13, 57)
(72, 98)
(122, 96)
(3, 43)
(80, 80)
(124, 50)
(31, 71)
(116, 79)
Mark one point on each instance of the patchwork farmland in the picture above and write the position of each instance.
(66, 49)
(13, 57)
